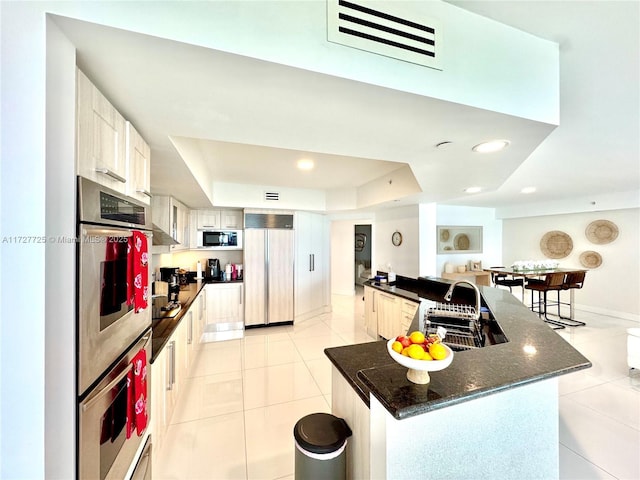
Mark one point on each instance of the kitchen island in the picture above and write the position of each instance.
(493, 413)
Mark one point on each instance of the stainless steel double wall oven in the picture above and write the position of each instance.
(109, 332)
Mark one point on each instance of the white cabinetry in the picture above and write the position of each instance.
(100, 136)
(370, 311)
(225, 303)
(138, 166)
(386, 314)
(218, 219)
(173, 217)
(312, 265)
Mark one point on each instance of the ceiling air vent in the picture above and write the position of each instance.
(392, 34)
(272, 196)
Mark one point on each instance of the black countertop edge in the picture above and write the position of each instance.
(369, 369)
(162, 329)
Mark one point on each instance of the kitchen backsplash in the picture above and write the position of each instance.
(188, 260)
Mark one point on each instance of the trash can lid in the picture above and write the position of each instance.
(321, 432)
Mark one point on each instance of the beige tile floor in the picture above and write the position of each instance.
(234, 419)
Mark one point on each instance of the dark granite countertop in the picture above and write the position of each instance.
(162, 329)
(534, 352)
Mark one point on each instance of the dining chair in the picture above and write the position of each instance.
(499, 278)
(552, 282)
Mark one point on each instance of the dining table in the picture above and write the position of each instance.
(538, 273)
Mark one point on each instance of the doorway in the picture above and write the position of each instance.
(362, 253)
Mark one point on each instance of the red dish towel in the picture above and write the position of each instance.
(138, 271)
(137, 395)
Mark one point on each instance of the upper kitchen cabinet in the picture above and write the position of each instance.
(312, 265)
(138, 166)
(171, 217)
(212, 219)
(101, 138)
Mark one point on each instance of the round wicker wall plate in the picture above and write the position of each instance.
(590, 259)
(444, 235)
(556, 244)
(601, 232)
(461, 241)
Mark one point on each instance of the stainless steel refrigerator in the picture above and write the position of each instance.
(268, 269)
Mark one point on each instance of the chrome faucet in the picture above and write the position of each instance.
(449, 294)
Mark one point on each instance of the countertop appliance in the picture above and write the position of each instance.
(227, 239)
(268, 269)
(213, 269)
(106, 324)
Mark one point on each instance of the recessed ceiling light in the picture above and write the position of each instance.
(491, 146)
(473, 189)
(305, 164)
(528, 190)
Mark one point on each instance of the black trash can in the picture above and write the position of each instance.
(321, 442)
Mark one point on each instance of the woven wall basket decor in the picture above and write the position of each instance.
(601, 232)
(590, 259)
(556, 244)
(461, 242)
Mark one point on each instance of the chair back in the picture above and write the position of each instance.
(574, 280)
(554, 279)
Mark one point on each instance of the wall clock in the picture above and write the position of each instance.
(396, 238)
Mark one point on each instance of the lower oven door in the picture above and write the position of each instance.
(106, 323)
(104, 452)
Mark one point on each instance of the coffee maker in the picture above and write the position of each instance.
(213, 268)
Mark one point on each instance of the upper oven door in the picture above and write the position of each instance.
(106, 324)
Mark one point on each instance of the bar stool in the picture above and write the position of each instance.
(552, 282)
(573, 280)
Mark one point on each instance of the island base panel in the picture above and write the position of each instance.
(511, 434)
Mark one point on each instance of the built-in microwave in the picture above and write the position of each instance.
(228, 239)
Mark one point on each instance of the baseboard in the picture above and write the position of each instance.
(608, 312)
(313, 313)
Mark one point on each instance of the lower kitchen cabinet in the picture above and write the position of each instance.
(225, 303)
(386, 314)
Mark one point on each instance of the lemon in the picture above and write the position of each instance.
(416, 337)
(396, 347)
(405, 351)
(437, 351)
(415, 351)
(427, 356)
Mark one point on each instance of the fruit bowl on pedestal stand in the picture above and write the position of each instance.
(419, 369)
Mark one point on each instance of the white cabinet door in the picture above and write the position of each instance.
(312, 265)
(370, 311)
(180, 218)
(280, 275)
(225, 303)
(389, 319)
(159, 385)
(100, 137)
(255, 276)
(208, 219)
(138, 166)
(233, 219)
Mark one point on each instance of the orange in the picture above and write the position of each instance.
(405, 351)
(415, 351)
(416, 337)
(396, 346)
(437, 351)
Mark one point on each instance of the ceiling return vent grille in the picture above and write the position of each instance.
(272, 196)
(392, 34)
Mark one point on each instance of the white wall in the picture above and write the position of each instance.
(613, 287)
(403, 259)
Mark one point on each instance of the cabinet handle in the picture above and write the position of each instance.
(172, 365)
(310, 263)
(241, 295)
(373, 300)
(190, 336)
(111, 174)
(313, 262)
(144, 192)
